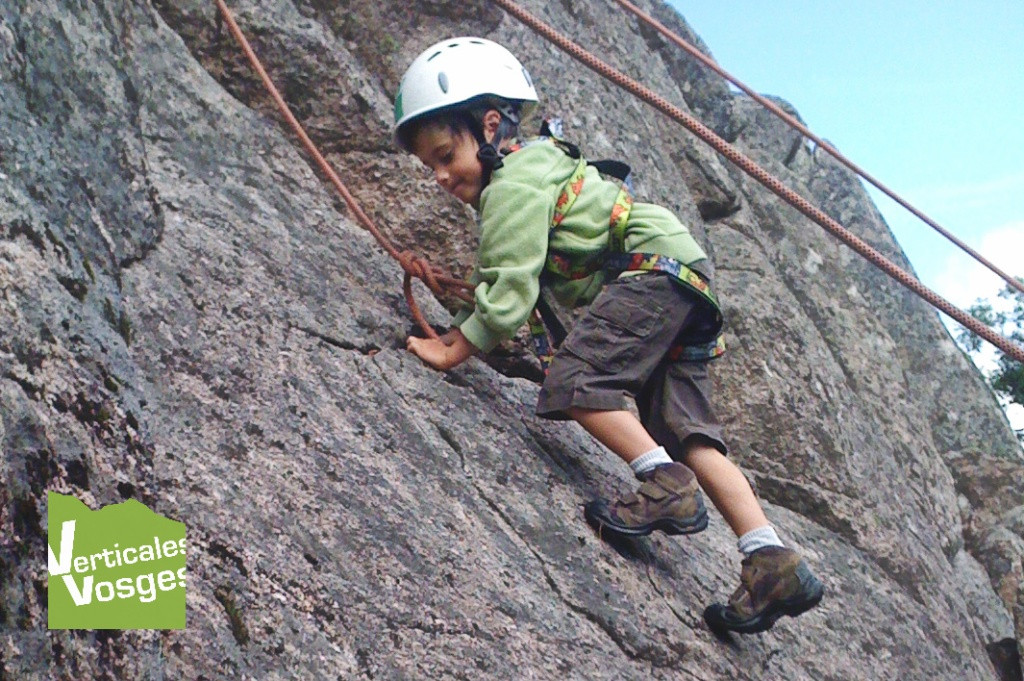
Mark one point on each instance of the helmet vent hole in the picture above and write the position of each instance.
(433, 55)
(442, 80)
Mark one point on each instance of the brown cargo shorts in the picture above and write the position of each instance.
(617, 353)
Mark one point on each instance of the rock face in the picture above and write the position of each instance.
(192, 319)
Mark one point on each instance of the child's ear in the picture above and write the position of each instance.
(490, 123)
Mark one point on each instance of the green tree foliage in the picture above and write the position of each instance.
(1008, 319)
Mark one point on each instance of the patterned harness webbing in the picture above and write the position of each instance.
(617, 260)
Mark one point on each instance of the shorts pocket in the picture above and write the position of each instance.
(613, 331)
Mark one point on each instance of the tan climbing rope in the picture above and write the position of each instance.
(414, 266)
(761, 175)
(805, 131)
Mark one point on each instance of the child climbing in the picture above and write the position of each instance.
(548, 218)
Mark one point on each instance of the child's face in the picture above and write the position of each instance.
(452, 157)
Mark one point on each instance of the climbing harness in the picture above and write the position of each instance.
(615, 259)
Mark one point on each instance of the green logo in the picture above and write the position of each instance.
(121, 567)
(398, 107)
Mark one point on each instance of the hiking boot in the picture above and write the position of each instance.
(668, 500)
(774, 582)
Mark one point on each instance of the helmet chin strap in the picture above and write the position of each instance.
(490, 158)
(489, 153)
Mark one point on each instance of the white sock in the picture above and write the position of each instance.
(758, 539)
(649, 461)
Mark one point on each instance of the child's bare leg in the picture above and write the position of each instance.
(774, 580)
(669, 498)
(721, 479)
(619, 431)
(727, 487)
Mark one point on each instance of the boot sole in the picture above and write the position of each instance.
(671, 526)
(811, 594)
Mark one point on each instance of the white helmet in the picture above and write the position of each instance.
(457, 70)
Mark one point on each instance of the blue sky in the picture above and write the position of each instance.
(928, 97)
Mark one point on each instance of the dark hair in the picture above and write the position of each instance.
(453, 120)
(465, 117)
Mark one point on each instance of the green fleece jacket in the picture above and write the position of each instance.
(515, 214)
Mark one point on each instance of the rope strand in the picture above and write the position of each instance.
(414, 266)
(806, 132)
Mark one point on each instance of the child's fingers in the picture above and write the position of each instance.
(416, 346)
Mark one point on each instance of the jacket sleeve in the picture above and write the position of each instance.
(466, 308)
(514, 222)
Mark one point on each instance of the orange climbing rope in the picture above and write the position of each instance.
(414, 266)
(805, 131)
(761, 175)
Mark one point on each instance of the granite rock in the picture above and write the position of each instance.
(192, 319)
